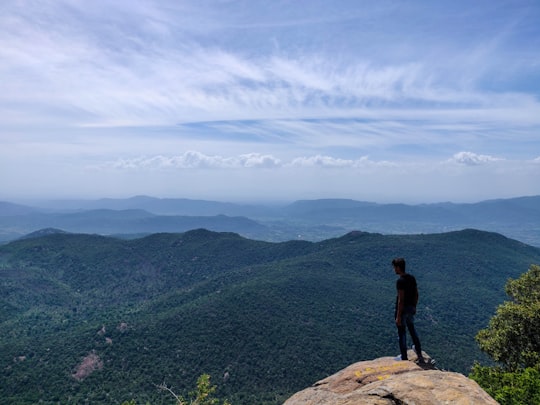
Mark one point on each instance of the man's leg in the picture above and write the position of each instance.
(402, 336)
(409, 321)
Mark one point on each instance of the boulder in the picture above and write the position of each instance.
(385, 381)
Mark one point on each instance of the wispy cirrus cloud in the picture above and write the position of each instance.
(149, 71)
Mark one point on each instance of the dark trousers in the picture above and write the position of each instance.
(407, 322)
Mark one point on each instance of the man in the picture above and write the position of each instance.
(406, 301)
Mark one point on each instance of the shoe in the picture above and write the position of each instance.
(419, 355)
(398, 358)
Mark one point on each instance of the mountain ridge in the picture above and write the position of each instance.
(271, 316)
(315, 220)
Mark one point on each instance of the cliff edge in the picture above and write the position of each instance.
(385, 381)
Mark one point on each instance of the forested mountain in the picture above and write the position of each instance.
(264, 319)
(314, 220)
(128, 222)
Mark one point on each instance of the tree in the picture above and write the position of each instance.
(203, 395)
(512, 339)
(513, 335)
(520, 387)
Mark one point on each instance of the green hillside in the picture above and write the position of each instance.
(263, 319)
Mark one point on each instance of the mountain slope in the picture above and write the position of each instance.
(264, 319)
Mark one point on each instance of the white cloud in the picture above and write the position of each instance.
(321, 161)
(332, 162)
(198, 160)
(472, 159)
(194, 160)
(257, 160)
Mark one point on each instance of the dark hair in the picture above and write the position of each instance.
(399, 262)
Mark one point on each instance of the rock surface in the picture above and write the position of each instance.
(385, 381)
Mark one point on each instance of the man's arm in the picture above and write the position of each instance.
(400, 305)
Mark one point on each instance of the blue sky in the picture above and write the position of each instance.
(385, 101)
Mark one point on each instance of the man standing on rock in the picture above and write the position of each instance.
(406, 301)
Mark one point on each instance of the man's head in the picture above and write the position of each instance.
(399, 265)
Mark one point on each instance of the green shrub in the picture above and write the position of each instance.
(520, 387)
(513, 340)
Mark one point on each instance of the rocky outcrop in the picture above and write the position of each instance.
(385, 381)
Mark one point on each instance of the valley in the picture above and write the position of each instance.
(264, 319)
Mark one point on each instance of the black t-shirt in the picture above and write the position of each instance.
(407, 282)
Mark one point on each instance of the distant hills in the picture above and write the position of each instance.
(132, 222)
(314, 220)
(265, 319)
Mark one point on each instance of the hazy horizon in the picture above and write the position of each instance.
(240, 101)
(268, 202)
